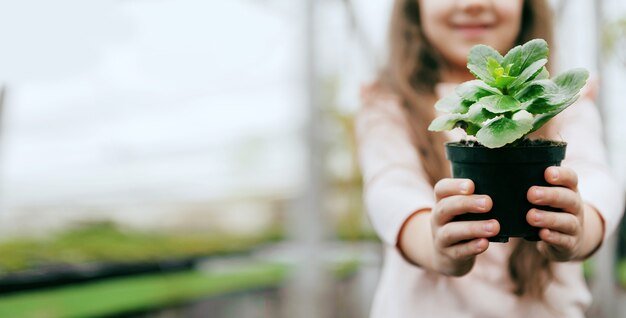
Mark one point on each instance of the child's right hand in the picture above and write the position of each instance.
(457, 243)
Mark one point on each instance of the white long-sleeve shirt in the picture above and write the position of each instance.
(395, 186)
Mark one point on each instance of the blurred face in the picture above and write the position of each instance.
(454, 26)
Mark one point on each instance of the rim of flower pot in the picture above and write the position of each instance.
(463, 152)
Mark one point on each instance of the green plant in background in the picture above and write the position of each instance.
(120, 297)
(511, 97)
(106, 242)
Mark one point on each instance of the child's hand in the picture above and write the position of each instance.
(456, 244)
(561, 232)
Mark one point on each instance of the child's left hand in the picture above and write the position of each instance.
(562, 233)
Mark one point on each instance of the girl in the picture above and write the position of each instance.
(437, 268)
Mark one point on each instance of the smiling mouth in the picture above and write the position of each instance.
(472, 30)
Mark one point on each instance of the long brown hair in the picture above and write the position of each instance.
(412, 70)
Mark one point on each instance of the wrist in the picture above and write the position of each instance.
(593, 232)
(415, 239)
(416, 245)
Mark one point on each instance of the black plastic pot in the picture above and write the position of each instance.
(505, 174)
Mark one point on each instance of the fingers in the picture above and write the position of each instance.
(556, 197)
(466, 250)
(565, 223)
(556, 246)
(449, 187)
(562, 176)
(458, 242)
(449, 207)
(455, 232)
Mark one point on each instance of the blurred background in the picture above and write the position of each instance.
(196, 158)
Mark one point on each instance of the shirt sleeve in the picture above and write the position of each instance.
(581, 127)
(395, 185)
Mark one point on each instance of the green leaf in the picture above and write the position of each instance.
(533, 89)
(478, 62)
(523, 116)
(502, 131)
(541, 106)
(494, 67)
(472, 129)
(533, 51)
(468, 127)
(477, 115)
(500, 103)
(512, 60)
(474, 90)
(507, 70)
(571, 81)
(452, 103)
(504, 81)
(528, 72)
(569, 84)
(542, 119)
(499, 73)
(543, 74)
(445, 122)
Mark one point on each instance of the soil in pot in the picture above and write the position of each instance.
(506, 174)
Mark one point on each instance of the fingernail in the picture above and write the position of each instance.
(538, 216)
(465, 187)
(538, 194)
(481, 203)
(479, 245)
(488, 227)
(554, 173)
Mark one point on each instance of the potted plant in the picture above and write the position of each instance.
(511, 97)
